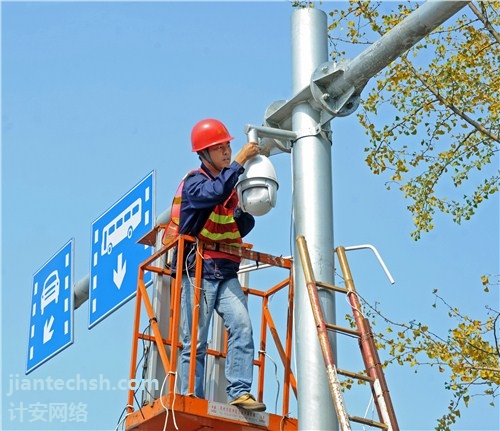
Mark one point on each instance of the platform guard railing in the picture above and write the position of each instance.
(168, 345)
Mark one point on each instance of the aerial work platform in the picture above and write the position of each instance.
(172, 411)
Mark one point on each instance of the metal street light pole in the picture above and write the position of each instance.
(313, 218)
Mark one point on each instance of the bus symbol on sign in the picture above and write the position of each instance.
(121, 227)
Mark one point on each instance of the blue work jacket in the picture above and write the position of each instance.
(200, 194)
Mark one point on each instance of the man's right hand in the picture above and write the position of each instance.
(249, 150)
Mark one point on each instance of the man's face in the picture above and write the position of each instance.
(221, 155)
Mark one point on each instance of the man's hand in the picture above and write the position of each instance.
(249, 150)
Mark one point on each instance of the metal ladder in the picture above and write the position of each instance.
(374, 373)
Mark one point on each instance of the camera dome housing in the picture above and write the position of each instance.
(257, 187)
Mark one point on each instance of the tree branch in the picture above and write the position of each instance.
(485, 21)
(441, 99)
(453, 108)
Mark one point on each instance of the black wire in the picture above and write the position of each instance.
(145, 353)
(121, 415)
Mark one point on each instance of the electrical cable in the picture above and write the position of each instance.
(276, 377)
(351, 292)
(173, 401)
(121, 419)
(163, 405)
(291, 245)
(370, 403)
(191, 281)
(146, 350)
(144, 357)
(186, 261)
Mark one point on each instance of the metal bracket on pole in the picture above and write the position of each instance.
(274, 140)
(322, 83)
(270, 132)
(320, 95)
(335, 88)
(377, 255)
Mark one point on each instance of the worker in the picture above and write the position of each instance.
(206, 207)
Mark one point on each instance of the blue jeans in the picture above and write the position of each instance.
(227, 298)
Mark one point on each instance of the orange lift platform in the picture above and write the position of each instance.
(172, 411)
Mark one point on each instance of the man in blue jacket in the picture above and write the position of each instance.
(206, 207)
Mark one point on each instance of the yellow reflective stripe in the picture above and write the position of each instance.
(219, 236)
(221, 219)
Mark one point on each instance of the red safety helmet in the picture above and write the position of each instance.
(207, 133)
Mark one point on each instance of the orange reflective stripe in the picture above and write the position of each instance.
(170, 233)
(172, 229)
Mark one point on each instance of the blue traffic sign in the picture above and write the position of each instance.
(51, 321)
(116, 255)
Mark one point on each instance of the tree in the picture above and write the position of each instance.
(442, 99)
(443, 96)
(469, 353)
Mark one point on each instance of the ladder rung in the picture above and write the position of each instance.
(331, 287)
(368, 422)
(354, 375)
(342, 329)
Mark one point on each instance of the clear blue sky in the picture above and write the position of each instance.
(97, 95)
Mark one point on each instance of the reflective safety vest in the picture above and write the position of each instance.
(220, 226)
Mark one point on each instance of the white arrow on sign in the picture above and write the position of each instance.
(119, 272)
(47, 329)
